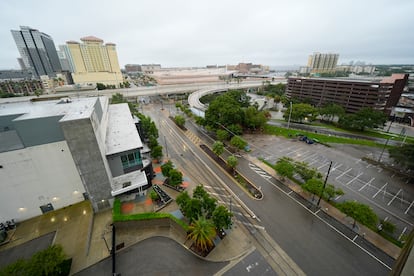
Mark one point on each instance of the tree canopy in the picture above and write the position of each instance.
(232, 161)
(232, 111)
(329, 111)
(300, 111)
(218, 148)
(222, 217)
(359, 212)
(363, 119)
(403, 155)
(179, 120)
(238, 142)
(284, 167)
(202, 204)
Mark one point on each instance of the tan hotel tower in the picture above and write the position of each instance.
(94, 62)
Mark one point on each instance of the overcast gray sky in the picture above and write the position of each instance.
(199, 33)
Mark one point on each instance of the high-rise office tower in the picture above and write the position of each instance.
(65, 58)
(319, 63)
(37, 50)
(94, 62)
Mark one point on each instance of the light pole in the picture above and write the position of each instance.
(383, 149)
(166, 148)
(324, 184)
(290, 114)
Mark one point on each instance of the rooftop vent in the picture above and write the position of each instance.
(65, 101)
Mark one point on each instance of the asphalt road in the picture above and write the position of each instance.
(311, 243)
(389, 195)
(155, 256)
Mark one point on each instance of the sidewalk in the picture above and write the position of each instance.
(371, 236)
(234, 246)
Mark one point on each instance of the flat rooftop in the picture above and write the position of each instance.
(121, 133)
(69, 109)
(372, 81)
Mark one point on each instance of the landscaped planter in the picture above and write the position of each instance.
(176, 188)
(255, 192)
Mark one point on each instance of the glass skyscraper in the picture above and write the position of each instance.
(38, 51)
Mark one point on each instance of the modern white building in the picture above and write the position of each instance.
(59, 152)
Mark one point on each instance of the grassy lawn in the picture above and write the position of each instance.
(370, 133)
(323, 139)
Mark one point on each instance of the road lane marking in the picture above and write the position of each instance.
(366, 184)
(342, 174)
(333, 228)
(406, 211)
(352, 180)
(360, 247)
(389, 203)
(252, 225)
(380, 190)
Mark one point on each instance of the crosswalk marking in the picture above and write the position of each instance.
(259, 171)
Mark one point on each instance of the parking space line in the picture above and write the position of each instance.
(310, 156)
(406, 211)
(299, 149)
(352, 180)
(389, 203)
(366, 184)
(342, 174)
(369, 165)
(338, 197)
(402, 233)
(313, 162)
(290, 192)
(285, 149)
(323, 165)
(380, 190)
(355, 238)
(334, 168)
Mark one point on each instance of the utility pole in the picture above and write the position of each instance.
(324, 184)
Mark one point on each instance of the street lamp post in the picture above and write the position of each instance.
(166, 148)
(290, 114)
(383, 149)
(324, 184)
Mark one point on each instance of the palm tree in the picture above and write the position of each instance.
(202, 233)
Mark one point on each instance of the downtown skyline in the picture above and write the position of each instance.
(186, 33)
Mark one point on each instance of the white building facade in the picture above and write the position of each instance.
(60, 152)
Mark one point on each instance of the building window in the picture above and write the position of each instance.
(130, 160)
